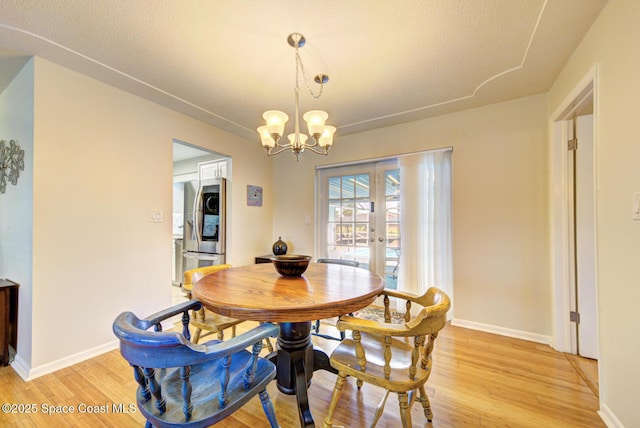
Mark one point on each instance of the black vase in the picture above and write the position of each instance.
(279, 247)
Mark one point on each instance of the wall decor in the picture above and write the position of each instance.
(254, 196)
(11, 163)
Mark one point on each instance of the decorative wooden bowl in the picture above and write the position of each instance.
(291, 264)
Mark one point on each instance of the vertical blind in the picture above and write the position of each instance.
(426, 231)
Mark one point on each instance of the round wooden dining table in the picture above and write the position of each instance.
(259, 293)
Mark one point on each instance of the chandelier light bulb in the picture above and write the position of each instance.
(275, 121)
(265, 137)
(315, 121)
(326, 139)
(300, 143)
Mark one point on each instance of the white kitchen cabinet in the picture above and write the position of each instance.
(213, 169)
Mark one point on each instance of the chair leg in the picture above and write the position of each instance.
(337, 392)
(343, 333)
(426, 405)
(405, 412)
(196, 335)
(267, 406)
(268, 345)
(379, 409)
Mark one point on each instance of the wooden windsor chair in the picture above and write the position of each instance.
(316, 326)
(380, 353)
(205, 320)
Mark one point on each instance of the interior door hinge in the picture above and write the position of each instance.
(574, 316)
(572, 144)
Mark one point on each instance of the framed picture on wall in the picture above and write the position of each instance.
(254, 196)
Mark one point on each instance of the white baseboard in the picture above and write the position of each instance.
(502, 331)
(20, 367)
(607, 416)
(29, 373)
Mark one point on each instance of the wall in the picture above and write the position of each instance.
(612, 44)
(16, 204)
(102, 160)
(500, 203)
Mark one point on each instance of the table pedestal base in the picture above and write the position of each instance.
(296, 360)
(294, 344)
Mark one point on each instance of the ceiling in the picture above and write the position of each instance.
(182, 151)
(227, 61)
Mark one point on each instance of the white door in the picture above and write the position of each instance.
(585, 238)
(358, 216)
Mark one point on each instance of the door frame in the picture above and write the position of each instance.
(564, 338)
(375, 168)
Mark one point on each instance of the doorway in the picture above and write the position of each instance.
(581, 167)
(359, 216)
(190, 163)
(574, 213)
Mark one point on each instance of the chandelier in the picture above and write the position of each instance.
(321, 135)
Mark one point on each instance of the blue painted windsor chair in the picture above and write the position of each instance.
(182, 384)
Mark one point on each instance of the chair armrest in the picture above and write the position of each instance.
(400, 294)
(372, 327)
(156, 318)
(426, 299)
(231, 346)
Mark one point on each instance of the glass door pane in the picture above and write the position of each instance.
(348, 218)
(359, 216)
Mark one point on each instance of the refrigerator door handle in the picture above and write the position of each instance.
(201, 256)
(197, 204)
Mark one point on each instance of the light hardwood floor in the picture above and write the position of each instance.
(478, 380)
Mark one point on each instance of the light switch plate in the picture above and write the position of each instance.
(156, 216)
(635, 206)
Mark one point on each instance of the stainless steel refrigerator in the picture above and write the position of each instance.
(204, 229)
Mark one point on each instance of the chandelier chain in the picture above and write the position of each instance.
(300, 67)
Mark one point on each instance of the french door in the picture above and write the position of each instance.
(359, 216)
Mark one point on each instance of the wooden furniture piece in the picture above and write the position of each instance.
(207, 320)
(316, 326)
(263, 259)
(346, 262)
(186, 384)
(381, 354)
(8, 320)
(257, 292)
(202, 319)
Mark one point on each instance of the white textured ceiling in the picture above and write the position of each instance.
(227, 61)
